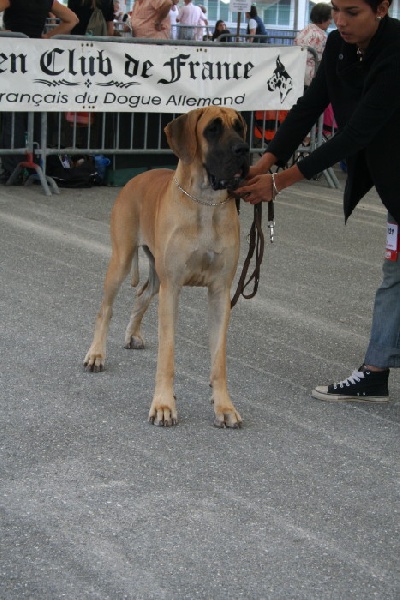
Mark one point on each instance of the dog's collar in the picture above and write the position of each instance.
(180, 188)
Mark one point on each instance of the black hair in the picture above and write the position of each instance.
(320, 13)
(217, 33)
(252, 12)
(375, 3)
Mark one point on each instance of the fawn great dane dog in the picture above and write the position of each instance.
(187, 223)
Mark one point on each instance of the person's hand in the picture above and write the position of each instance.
(253, 171)
(257, 188)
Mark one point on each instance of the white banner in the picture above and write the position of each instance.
(79, 75)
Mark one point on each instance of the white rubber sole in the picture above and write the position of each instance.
(320, 394)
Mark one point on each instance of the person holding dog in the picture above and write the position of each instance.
(360, 75)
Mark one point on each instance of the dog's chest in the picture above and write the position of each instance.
(202, 265)
(208, 252)
(205, 253)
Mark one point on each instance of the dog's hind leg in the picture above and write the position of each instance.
(133, 335)
(118, 269)
(219, 303)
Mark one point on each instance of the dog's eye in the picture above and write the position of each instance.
(238, 127)
(213, 128)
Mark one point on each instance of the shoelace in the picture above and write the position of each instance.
(355, 377)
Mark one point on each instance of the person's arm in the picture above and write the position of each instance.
(380, 102)
(68, 20)
(264, 187)
(162, 13)
(259, 186)
(252, 29)
(110, 28)
(109, 16)
(180, 13)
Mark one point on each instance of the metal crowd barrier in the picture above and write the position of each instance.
(129, 139)
(51, 23)
(275, 39)
(191, 32)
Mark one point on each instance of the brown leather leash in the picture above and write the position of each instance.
(256, 244)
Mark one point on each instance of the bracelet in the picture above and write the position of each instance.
(274, 188)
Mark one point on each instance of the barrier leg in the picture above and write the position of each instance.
(45, 181)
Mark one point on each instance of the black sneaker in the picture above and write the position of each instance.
(362, 386)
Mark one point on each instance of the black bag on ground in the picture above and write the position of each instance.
(83, 175)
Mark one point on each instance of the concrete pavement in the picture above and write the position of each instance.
(301, 503)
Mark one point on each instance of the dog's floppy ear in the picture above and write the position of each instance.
(182, 135)
(243, 122)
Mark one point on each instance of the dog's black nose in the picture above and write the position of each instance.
(240, 149)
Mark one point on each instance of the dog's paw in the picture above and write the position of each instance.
(163, 416)
(134, 343)
(163, 421)
(94, 362)
(230, 419)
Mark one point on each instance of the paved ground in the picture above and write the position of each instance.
(301, 503)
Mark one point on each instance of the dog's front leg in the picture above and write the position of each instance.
(219, 307)
(163, 409)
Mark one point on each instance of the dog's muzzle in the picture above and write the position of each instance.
(239, 164)
(224, 184)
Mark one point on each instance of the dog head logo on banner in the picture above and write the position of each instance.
(280, 80)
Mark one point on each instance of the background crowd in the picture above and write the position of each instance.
(154, 19)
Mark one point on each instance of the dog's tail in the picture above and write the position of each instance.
(135, 268)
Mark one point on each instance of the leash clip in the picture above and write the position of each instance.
(271, 227)
(271, 220)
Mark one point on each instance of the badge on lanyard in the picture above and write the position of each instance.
(392, 242)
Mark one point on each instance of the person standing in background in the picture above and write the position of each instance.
(189, 18)
(255, 25)
(84, 9)
(173, 15)
(202, 32)
(315, 36)
(28, 17)
(220, 28)
(150, 19)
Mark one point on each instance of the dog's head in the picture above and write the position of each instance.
(214, 138)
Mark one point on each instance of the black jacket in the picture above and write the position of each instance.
(366, 101)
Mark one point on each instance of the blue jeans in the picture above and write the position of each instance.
(384, 345)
